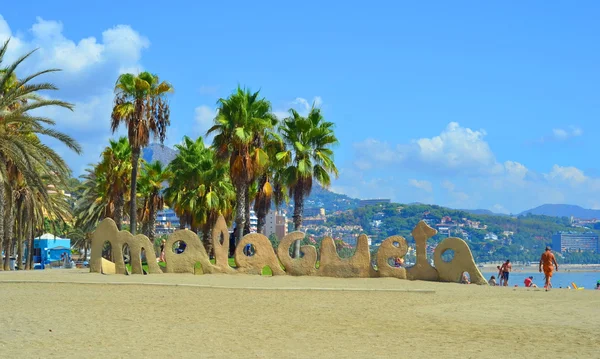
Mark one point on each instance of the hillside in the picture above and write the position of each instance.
(563, 210)
(491, 237)
(330, 201)
(157, 152)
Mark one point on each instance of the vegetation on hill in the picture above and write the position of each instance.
(332, 202)
(521, 238)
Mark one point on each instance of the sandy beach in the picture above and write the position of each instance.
(237, 316)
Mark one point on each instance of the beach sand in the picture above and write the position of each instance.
(142, 320)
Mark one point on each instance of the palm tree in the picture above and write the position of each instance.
(23, 156)
(308, 157)
(113, 173)
(199, 189)
(154, 175)
(141, 105)
(241, 125)
(269, 185)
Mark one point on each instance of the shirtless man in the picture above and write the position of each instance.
(546, 262)
(505, 269)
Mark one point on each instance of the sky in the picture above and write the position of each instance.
(461, 104)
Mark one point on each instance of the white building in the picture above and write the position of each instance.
(275, 224)
(491, 236)
(253, 221)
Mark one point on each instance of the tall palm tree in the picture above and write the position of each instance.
(199, 189)
(308, 157)
(241, 124)
(23, 156)
(113, 173)
(154, 175)
(141, 105)
(270, 187)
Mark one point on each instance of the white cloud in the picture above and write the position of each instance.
(561, 134)
(456, 150)
(300, 104)
(90, 69)
(204, 117)
(571, 175)
(423, 185)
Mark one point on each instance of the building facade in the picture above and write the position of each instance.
(166, 221)
(253, 221)
(275, 224)
(576, 242)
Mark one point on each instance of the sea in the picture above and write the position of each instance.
(562, 279)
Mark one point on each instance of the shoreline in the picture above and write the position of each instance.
(491, 268)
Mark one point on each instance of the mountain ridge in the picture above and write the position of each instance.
(563, 210)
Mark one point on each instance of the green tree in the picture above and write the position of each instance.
(270, 185)
(141, 105)
(153, 176)
(241, 125)
(24, 159)
(308, 157)
(199, 188)
(113, 173)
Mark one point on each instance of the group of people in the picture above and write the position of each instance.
(547, 265)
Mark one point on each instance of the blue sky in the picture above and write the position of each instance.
(462, 104)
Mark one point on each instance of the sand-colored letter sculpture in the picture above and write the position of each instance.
(184, 253)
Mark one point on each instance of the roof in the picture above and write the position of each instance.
(49, 236)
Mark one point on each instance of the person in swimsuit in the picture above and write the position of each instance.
(548, 263)
(505, 269)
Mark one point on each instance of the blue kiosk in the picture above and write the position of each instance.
(49, 248)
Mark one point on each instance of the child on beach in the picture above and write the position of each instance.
(500, 280)
(492, 281)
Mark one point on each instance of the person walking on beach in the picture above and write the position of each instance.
(505, 269)
(162, 250)
(547, 261)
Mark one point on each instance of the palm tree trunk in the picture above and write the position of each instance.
(85, 249)
(297, 218)
(247, 209)
(31, 241)
(240, 211)
(2, 211)
(29, 259)
(151, 225)
(135, 159)
(119, 204)
(19, 232)
(261, 208)
(262, 220)
(9, 221)
(20, 251)
(182, 221)
(206, 239)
